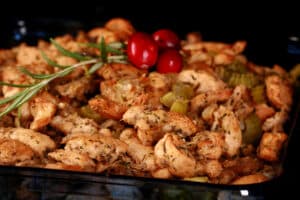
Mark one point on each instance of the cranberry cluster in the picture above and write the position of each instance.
(160, 49)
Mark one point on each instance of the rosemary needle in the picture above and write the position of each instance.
(26, 94)
(109, 53)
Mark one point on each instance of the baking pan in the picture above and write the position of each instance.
(35, 183)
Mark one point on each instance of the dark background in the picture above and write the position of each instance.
(262, 26)
(266, 29)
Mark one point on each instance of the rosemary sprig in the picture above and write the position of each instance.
(16, 85)
(65, 52)
(42, 80)
(51, 62)
(95, 67)
(26, 94)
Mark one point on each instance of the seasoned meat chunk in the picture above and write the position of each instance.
(39, 142)
(270, 146)
(13, 152)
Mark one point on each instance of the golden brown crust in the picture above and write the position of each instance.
(250, 179)
(107, 108)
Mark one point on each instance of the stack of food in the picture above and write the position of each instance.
(115, 100)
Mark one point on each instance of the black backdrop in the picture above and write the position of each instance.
(264, 27)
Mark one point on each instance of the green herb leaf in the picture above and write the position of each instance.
(35, 76)
(117, 59)
(14, 104)
(65, 52)
(95, 67)
(93, 45)
(16, 85)
(51, 62)
(103, 50)
(116, 45)
(8, 99)
(31, 90)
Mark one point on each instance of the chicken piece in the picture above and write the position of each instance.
(112, 128)
(150, 136)
(64, 60)
(121, 27)
(76, 89)
(179, 123)
(127, 91)
(67, 61)
(204, 99)
(240, 102)
(99, 147)
(42, 108)
(11, 74)
(73, 159)
(73, 123)
(228, 122)
(13, 152)
(141, 154)
(27, 55)
(67, 42)
(158, 85)
(207, 46)
(214, 52)
(226, 176)
(152, 125)
(270, 146)
(101, 167)
(202, 66)
(136, 115)
(209, 144)
(217, 47)
(200, 57)
(208, 113)
(24, 115)
(39, 142)
(117, 71)
(250, 179)
(279, 92)
(107, 108)
(169, 152)
(7, 121)
(263, 111)
(275, 122)
(244, 165)
(160, 81)
(163, 173)
(62, 166)
(148, 123)
(81, 134)
(213, 168)
(7, 57)
(40, 68)
(223, 59)
(97, 34)
(193, 37)
(239, 46)
(207, 167)
(202, 81)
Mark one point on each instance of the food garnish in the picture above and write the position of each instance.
(108, 53)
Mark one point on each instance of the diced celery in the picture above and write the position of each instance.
(180, 106)
(168, 99)
(87, 112)
(183, 90)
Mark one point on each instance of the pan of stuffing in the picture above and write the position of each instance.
(113, 111)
